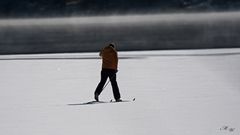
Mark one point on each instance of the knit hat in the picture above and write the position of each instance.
(112, 44)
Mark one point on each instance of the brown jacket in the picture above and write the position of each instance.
(109, 58)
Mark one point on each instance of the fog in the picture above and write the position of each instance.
(130, 32)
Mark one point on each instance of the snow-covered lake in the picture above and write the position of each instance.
(188, 92)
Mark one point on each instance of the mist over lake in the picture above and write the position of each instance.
(130, 32)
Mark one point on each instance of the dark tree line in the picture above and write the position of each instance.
(35, 8)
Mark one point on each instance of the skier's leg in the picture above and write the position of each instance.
(99, 88)
(114, 84)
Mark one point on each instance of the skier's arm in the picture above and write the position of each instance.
(116, 59)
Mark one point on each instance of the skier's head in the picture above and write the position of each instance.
(112, 45)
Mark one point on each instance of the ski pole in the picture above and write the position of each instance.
(106, 84)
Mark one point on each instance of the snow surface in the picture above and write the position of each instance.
(188, 92)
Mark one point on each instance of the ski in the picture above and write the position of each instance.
(112, 101)
(101, 102)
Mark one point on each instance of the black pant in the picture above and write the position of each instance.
(111, 73)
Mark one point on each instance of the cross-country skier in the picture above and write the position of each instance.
(109, 69)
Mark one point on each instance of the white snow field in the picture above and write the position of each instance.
(186, 92)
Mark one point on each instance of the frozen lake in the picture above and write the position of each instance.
(194, 92)
(131, 32)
